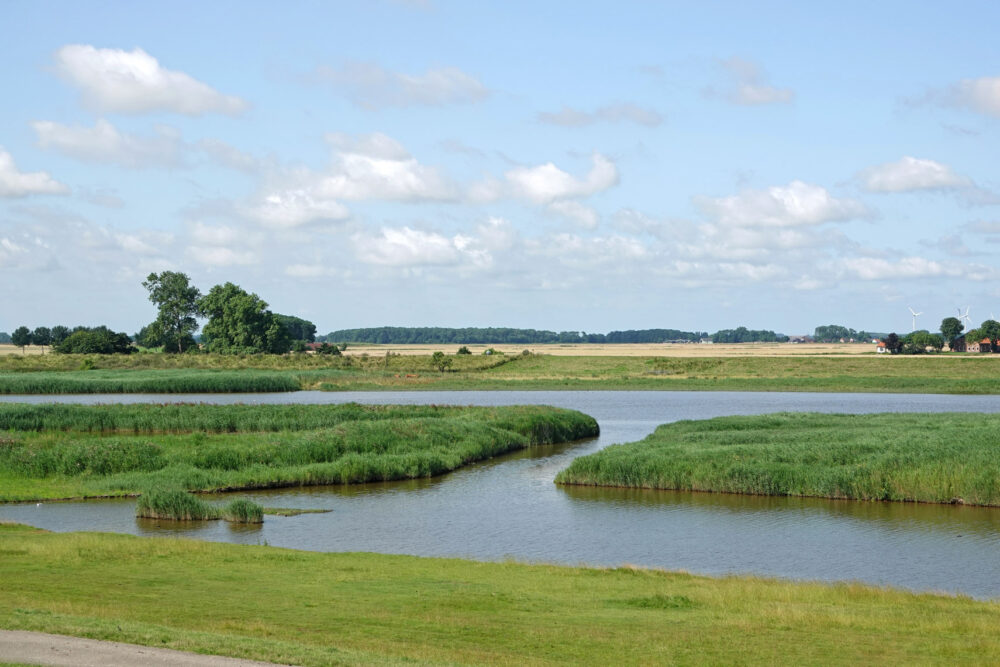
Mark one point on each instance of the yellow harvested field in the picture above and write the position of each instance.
(14, 349)
(633, 350)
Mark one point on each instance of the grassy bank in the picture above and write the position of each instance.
(323, 609)
(951, 374)
(63, 451)
(936, 458)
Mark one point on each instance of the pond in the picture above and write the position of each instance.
(509, 507)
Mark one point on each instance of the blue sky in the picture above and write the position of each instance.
(570, 166)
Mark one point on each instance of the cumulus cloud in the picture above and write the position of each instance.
(375, 166)
(293, 208)
(615, 113)
(371, 86)
(981, 95)
(134, 82)
(15, 183)
(750, 86)
(910, 173)
(227, 155)
(103, 143)
(581, 215)
(793, 205)
(217, 256)
(404, 246)
(876, 268)
(547, 183)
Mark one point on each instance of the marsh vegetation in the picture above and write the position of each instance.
(936, 458)
(60, 451)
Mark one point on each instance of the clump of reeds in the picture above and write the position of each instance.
(938, 458)
(243, 511)
(172, 381)
(175, 505)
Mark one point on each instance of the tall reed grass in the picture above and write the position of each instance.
(111, 450)
(938, 458)
(148, 382)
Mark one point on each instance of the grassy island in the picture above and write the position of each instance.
(63, 451)
(308, 608)
(936, 458)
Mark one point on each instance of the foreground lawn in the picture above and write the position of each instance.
(322, 609)
(938, 458)
(64, 451)
(945, 373)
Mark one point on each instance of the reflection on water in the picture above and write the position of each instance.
(509, 506)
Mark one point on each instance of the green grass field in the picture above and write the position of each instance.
(937, 458)
(346, 608)
(65, 451)
(161, 373)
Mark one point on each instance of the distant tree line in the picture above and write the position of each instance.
(834, 333)
(78, 340)
(744, 335)
(500, 335)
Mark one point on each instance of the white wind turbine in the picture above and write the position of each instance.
(912, 312)
(965, 317)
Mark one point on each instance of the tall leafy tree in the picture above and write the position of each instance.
(951, 328)
(21, 337)
(991, 329)
(298, 328)
(177, 301)
(41, 336)
(59, 334)
(240, 323)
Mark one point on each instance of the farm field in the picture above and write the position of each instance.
(348, 608)
(162, 373)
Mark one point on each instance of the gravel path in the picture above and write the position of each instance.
(38, 648)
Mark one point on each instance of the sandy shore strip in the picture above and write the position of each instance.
(39, 648)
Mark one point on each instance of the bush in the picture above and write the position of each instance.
(463, 350)
(100, 340)
(175, 505)
(243, 511)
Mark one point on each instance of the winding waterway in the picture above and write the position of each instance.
(509, 507)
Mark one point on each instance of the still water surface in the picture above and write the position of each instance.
(509, 507)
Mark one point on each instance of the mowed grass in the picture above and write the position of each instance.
(937, 458)
(348, 608)
(65, 451)
(162, 373)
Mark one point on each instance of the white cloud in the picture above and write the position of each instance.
(496, 234)
(750, 86)
(981, 95)
(375, 166)
(120, 81)
(229, 156)
(793, 205)
(216, 256)
(104, 143)
(910, 173)
(293, 208)
(371, 86)
(874, 268)
(404, 246)
(583, 216)
(615, 113)
(221, 235)
(14, 183)
(546, 183)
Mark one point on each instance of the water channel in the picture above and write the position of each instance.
(509, 507)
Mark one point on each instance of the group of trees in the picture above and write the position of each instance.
(502, 335)
(744, 335)
(239, 322)
(834, 333)
(920, 342)
(76, 340)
